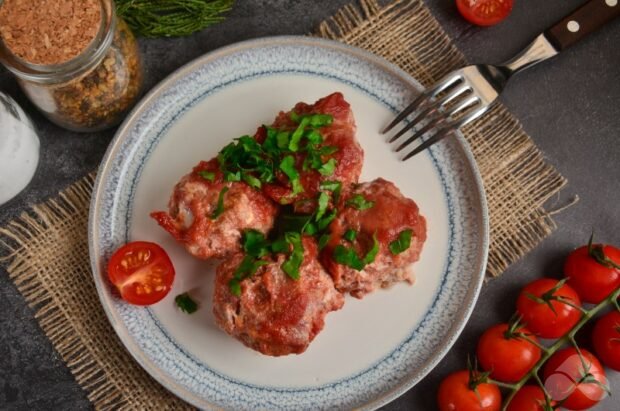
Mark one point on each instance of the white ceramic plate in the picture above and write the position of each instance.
(372, 350)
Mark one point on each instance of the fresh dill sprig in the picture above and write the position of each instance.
(171, 18)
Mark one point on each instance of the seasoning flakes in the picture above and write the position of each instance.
(49, 32)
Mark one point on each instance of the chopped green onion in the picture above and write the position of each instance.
(347, 256)
(350, 235)
(287, 165)
(327, 169)
(207, 175)
(323, 202)
(402, 243)
(323, 240)
(359, 202)
(283, 139)
(228, 176)
(255, 243)
(372, 253)
(235, 287)
(292, 265)
(251, 180)
(325, 221)
(334, 186)
(293, 145)
(220, 204)
(185, 303)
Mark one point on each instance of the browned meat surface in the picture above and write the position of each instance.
(194, 220)
(391, 214)
(340, 134)
(275, 314)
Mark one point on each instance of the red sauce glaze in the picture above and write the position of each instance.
(275, 314)
(391, 214)
(194, 202)
(340, 134)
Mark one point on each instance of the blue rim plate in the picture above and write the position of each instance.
(372, 350)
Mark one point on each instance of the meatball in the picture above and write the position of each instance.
(375, 210)
(207, 214)
(275, 314)
(340, 135)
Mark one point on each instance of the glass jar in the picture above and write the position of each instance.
(19, 149)
(91, 91)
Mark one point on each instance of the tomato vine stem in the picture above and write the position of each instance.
(569, 337)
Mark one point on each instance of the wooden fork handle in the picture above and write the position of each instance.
(593, 15)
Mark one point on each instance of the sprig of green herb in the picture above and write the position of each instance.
(171, 18)
(402, 243)
(359, 202)
(220, 204)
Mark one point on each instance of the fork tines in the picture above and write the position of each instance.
(440, 110)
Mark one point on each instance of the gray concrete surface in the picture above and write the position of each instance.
(570, 107)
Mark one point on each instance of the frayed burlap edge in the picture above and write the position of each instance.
(517, 179)
(47, 248)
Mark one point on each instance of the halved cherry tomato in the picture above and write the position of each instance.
(455, 393)
(484, 12)
(507, 354)
(529, 398)
(563, 375)
(606, 339)
(142, 272)
(593, 271)
(534, 305)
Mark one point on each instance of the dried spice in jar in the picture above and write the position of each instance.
(76, 61)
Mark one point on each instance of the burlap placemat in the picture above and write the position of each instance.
(47, 252)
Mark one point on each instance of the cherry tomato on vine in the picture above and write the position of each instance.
(529, 398)
(606, 339)
(142, 272)
(504, 351)
(484, 12)
(564, 374)
(593, 271)
(545, 307)
(456, 394)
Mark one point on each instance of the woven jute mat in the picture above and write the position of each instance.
(46, 250)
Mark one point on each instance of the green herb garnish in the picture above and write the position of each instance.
(315, 120)
(229, 176)
(255, 244)
(359, 202)
(220, 204)
(327, 169)
(251, 180)
(334, 186)
(293, 145)
(185, 303)
(287, 165)
(402, 243)
(323, 202)
(372, 253)
(347, 255)
(324, 222)
(171, 18)
(293, 263)
(323, 240)
(207, 175)
(248, 267)
(350, 235)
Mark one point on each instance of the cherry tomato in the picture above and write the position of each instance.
(593, 271)
(528, 398)
(484, 12)
(606, 339)
(507, 357)
(539, 317)
(455, 394)
(563, 372)
(142, 272)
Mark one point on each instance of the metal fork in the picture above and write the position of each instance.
(467, 93)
